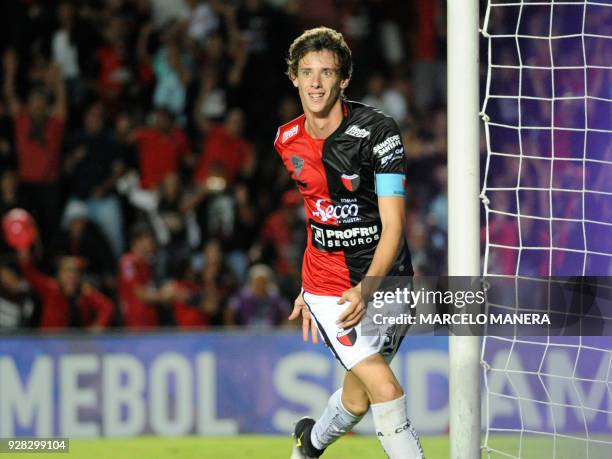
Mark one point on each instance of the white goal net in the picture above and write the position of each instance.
(547, 197)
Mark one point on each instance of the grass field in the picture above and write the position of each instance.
(275, 447)
(243, 447)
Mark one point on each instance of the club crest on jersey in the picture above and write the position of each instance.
(347, 337)
(350, 182)
(298, 164)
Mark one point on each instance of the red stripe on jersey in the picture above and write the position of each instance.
(323, 273)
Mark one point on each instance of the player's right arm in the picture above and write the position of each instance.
(309, 326)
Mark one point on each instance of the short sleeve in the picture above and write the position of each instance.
(388, 159)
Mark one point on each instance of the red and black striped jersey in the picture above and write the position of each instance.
(340, 179)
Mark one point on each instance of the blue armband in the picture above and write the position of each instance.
(391, 185)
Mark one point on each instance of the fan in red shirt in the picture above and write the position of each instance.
(161, 148)
(66, 300)
(225, 149)
(139, 297)
(111, 59)
(39, 129)
(279, 232)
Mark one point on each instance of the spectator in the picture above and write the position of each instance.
(66, 49)
(94, 166)
(283, 240)
(227, 215)
(218, 282)
(161, 148)
(193, 311)
(208, 298)
(81, 237)
(114, 71)
(388, 99)
(67, 301)
(176, 228)
(17, 304)
(226, 150)
(172, 67)
(39, 129)
(429, 66)
(259, 303)
(139, 297)
(123, 61)
(201, 20)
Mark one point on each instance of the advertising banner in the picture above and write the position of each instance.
(249, 382)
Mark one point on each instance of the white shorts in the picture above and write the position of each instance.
(349, 346)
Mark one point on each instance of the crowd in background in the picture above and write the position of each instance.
(550, 181)
(138, 134)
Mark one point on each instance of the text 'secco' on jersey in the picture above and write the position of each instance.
(340, 178)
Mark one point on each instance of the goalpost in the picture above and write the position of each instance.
(463, 216)
(547, 197)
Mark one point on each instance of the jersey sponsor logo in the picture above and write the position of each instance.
(290, 133)
(343, 213)
(350, 182)
(298, 164)
(387, 145)
(333, 239)
(356, 131)
(391, 156)
(347, 337)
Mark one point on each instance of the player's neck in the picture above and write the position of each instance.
(321, 127)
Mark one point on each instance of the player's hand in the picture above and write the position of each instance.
(355, 310)
(309, 326)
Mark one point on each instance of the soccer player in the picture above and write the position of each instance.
(348, 162)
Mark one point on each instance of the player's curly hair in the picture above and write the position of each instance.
(320, 39)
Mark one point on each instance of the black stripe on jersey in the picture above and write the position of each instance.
(335, 188)
(346, 162)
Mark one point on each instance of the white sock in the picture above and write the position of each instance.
(333, 423)
(394, 431)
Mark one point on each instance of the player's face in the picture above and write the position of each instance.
(318, 82)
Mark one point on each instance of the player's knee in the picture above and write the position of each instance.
(356, 404)
(386, 391)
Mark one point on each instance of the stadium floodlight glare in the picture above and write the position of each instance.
(547, 196)
(463, 217)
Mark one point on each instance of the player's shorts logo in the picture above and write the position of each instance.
(351, 182)
(347, 337)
